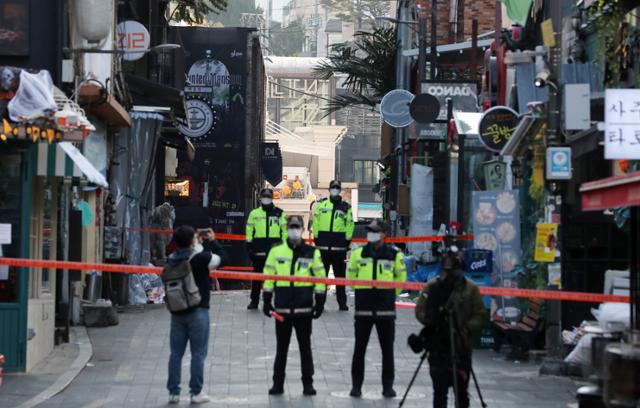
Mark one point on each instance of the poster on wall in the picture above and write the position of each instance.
(215, 88)
(14, 27)
(496, 227)
(546, 242)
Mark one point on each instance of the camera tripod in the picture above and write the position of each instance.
(452, 321)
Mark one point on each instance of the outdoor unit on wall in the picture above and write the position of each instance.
(94, 19)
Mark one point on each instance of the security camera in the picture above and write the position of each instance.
(542, 78)
(398, 149)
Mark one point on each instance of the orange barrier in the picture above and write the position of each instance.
(228, 274)
(240, 237)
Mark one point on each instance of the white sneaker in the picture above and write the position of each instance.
(174, 399)
(201, 398)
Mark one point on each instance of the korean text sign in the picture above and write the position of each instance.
(622, 124)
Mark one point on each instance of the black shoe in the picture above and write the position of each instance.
(252, 306)
(356, 392)
(343, 308)
(276, 390)
(308, 389)
(389, 393)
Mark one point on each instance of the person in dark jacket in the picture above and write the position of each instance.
(192, 325)
(450, 290)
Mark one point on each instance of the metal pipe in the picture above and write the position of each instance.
(434, 38)
(422, 48)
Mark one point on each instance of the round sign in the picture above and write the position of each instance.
(394, 108)
(202, 118)
(424, 108)
(497, 126)
(131, 37)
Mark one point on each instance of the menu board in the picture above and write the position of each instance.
(496, 227)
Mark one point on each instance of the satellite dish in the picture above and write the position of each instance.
(395, 108)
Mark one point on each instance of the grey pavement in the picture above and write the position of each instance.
(129, 365)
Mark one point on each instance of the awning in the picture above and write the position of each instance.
(102, 104)
(149, 93)
(65, 160)
(449, 47)
(611, 192)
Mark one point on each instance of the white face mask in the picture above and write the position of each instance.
(294, 233)
(334, 192)
(373, 236)
(266, 201)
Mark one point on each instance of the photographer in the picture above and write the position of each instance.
(449, 295)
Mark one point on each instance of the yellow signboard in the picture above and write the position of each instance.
(548, 35)
(546, 241)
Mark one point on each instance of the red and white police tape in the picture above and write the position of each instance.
(240, 237)
(237, 275)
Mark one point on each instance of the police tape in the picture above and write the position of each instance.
(250, 276)
(240, 237)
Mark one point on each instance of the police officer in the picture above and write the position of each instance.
(294, 301)
(375, 306)
(333, 229)
(450, 290)
(265, 228)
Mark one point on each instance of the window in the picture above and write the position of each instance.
(366, 172)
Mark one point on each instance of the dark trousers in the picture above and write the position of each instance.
(441, 371)
(256, 285)
(386, 335)
(302, 325)
(337, 260)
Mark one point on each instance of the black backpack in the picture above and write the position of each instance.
(181, 291)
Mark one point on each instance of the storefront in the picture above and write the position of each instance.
(39, 169)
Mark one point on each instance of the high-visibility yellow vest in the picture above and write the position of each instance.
(332, 225)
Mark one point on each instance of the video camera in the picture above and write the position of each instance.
(421, 342)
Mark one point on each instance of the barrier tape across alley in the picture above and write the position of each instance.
(240, 237)
(237, 275)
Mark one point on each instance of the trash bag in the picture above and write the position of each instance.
(145, 288)
(34, 97)
(137, 295)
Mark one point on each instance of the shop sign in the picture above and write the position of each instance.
(394, 108)
(132, 38)
(622, 124)
(464, 96)
(497, 126)
(272, 162)
(546, 242)
(495, 174)
(424, 108)
(558, 163)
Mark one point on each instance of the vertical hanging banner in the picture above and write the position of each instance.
(272, 162)
(496, 228)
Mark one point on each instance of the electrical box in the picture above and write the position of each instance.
(577, 106)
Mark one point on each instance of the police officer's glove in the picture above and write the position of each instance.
(318, 308)
(266, 303)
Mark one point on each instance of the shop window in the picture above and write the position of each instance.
(42, 235)
(366, 172)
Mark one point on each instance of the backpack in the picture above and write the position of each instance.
(181, 291)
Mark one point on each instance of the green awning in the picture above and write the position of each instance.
(63, 159)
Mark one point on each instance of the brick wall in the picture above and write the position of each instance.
(482, 10)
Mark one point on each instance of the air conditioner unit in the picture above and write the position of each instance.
(94, 19)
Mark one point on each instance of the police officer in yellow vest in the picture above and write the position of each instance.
(266, 227)
(294, 301)
(374, 306)
(333, 229)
